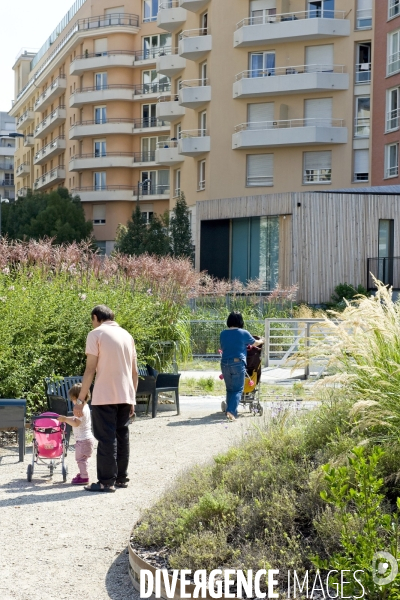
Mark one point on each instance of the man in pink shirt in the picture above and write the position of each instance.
(111, 355)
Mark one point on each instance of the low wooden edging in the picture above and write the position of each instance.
(136, 564)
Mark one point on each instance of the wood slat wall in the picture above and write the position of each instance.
(327, 240)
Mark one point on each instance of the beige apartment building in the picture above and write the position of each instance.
(216, 98)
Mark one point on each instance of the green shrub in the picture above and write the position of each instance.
(345, 291)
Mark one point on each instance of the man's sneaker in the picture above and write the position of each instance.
(78, 480)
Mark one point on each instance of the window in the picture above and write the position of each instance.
(363, 112)
(100, 81)
(261, 64)
(317, 167)
(203, 73)
(318, 112)
(364, 14)
(319, 58)
(101, 246)
(324, 9)
(99, 180)
(100, 114)
(262, 11)
(259, 170)
(9, 178)
(394, 8)
(156, 45)
(363, 65)
(147, 216)
(262, 112)
(203, 124)
(393, 64)
(392, 109)
(157, 182)
(204, 24)
(149, 145)
(154, 82)
(149, 117)
(391, 160)
(177, 180)
(99, 214)
(100, 148)
(361, 165)
(100, 47)
(201, 175)
(150, 10)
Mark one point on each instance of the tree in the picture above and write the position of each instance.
(131, 239)
(181, 235)
(157, 239)
(56, 214)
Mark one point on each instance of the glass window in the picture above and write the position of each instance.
(100, 180)
(321, 9)
(99, 214)
(100, 114)
(260, 170)
(201, 176)
(362, 125)
(262, 64)
(363, 65)
(392, 160)
(100, 81)
(364, 14)
(393, 65)
(361, 165)
(394, 8)
(150, 10)
(392, 109)
(100, 148)
(317, 167)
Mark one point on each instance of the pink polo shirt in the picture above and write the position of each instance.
(115, 349)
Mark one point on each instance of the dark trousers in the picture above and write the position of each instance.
(110, 428)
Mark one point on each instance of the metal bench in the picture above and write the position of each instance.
(13, 415)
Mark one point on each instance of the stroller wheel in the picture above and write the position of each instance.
(260, 410)
(223, 406)
(51, 467)
(64, 473)
(29, 473)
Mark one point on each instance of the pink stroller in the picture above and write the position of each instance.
(49, 444)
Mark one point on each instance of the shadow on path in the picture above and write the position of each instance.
(207, 420)
(118, 582)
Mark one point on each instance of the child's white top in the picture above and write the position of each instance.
(84, 430)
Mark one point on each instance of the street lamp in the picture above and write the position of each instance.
(140, 185)
(6, 201)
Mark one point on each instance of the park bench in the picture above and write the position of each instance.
(13, 415)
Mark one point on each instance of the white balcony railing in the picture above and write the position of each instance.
(363, 72)
(27, 117)
(190, 83)
(295, 70)
(293, 16)
(172, 143)
(189, 33)
(193, 133)
(56, 146)
(55, 89)
(289, 123)
(47, 179)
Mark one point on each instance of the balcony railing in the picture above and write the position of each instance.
(194, 32)
(285, 124)
(152, 53)
(101, 188)
(108, 53)
(193, 133)
(189, 83)
(47, 120)
(168, 4)
(28, 114)
(7, 166)
(362, 127)
(48, 148)
(295, 70)
(293, 16)
(149, 122)
(152, 88)
(145, 156)
(386, 270)
(24, 167)
(393, 63)
(56, 173)
(392, 119)
(392, 171)
(152, 190)
(47, 92)
(6, 183)
(172, 143)
(394, 8)
(145, 190)
(364, 18)
(363, 72)
(101, 122)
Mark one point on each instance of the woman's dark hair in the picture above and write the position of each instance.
(235, 319)
(103, 313)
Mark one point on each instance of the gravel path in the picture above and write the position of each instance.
(60, 542)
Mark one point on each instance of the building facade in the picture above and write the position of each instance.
(218, 99)
(7, 149)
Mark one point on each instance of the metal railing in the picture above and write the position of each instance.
(386, 270)
(146, 156)
(152, 88)
(362, 126)
(287, 124)
(363, 72)
(295, 70)
(392, 171)
(99, 88)
(392, 119)
(364, 18)
(21, 168)
(168, 4)
(101, 188)
(194, 32)
(292, 16)
(193, 133)
(204, 336)
(102, 122)
(7, 183)
(52, 86)
(149, 122)
(152, 53)
(23, 117)
(7, 166)
(105, 53)
(152, 190)
(189, 83)
(47, 120)
(49, 176)
(100, 154)
(53, 144)
(172, 143)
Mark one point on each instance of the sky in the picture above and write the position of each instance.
(24, 24)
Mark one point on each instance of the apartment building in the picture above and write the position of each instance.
(386, 91)
(7, 149)
(86, 104)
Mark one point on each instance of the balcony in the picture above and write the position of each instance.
(54, 148)
(99, 95)
(151, 91)
(150, 125)
(171, 16)
(7, 165)
(194, 142)
(57, 117)
(23, 192)
(291, 27)
(169, 110)
(6, 183)
(105, 60)
(362, 127)
(363, 73)
(290, 80)
(167, 153)
(146, 158)
(194, 93)
(82, 129)
(121, 193)
(195, 43)
(29, 141)
(148, 56)
(50, 178)
(105, 160)
(294, 132)
(22, 170)
(55, 90)
(193, 5)
(170, 64)
(26, 119)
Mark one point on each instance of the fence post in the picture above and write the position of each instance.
(307, 367)
(267, 338)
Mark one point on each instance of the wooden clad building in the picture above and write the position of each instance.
(316, 240)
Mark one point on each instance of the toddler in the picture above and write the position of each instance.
(84, 439)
